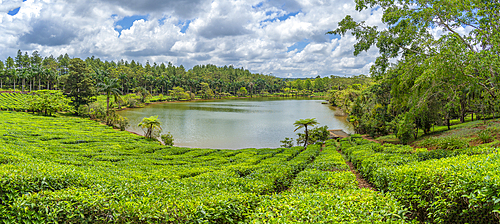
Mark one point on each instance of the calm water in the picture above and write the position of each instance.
(236, 123)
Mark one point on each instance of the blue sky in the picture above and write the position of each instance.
(285, 38)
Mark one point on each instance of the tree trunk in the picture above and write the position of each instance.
(448, 123)
(307, 138)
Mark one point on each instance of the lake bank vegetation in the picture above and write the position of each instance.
(420, 79)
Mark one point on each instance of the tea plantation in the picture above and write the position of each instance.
(72, 170)
(437, 186)
(13, 101)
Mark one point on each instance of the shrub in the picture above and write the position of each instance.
(485, 136)
(167, 139)
(287, 143)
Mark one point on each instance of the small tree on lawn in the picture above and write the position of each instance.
(151, 127)
(303, 123)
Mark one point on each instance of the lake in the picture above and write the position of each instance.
(236, 123)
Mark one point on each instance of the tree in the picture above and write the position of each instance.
(303, 123)
(110, 87)
(49, 101)
(206, 92)
(143, 93)
(242, 91)
(79, 85)
(151, 127)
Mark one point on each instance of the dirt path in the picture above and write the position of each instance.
(362, 183)
(370, 139)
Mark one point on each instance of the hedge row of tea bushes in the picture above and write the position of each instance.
(13, 101)
(73, 170)
(327, 192)
(438, 186)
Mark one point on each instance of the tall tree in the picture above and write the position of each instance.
(79, 85)
(110, 87)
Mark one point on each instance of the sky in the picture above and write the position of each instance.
(284, 38)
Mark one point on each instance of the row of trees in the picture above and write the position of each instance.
(33, 72)
(435, 78)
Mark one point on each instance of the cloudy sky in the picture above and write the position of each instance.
(285, 38)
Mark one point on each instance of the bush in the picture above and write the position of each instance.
(287, 143)
(485, 136)
(167, 139)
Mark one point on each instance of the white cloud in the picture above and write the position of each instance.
(221, 32)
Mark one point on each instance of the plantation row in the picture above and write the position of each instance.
(438, 186)
(60, 169)
(13, 101)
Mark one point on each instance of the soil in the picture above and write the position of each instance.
(370, 139)
(362, 183)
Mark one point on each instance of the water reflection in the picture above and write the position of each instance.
(238, 123)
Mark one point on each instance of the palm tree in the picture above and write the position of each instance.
(142, 93)
(150, 126)
(303, 123)
(109, 86)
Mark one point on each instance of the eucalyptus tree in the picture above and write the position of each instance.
(2, 73)
(304, 123)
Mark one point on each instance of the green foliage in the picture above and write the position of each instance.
(448, 142)
(151, 127)
(49, 102)
(167, 139)
(243, 91)
(64, 169)
(287, 143)
(14, 101)
(303, 123)
(405, 128)
(437, 186)
(485, 136)
(79, 85)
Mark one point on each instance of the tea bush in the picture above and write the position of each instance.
(437, 186)
(73, 170)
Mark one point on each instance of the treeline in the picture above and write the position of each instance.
(27, 72)
(434, 79)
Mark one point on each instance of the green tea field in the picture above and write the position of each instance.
(73, 170)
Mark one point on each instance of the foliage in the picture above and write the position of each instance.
(110, 87)
(79, 85)
(151, 127)
(485, 136)
(49, 102)
(14, 101)
(303, 123)
(167, 139)
(318, 134)
(287, 143)
(437, 186)
(75, 170)
(242, 91)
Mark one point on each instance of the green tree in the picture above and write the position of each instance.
(151, 127)
(304, 123)
(79, 85)
(110, 87)
(206, 92)
(242, 91)
(49, 102)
